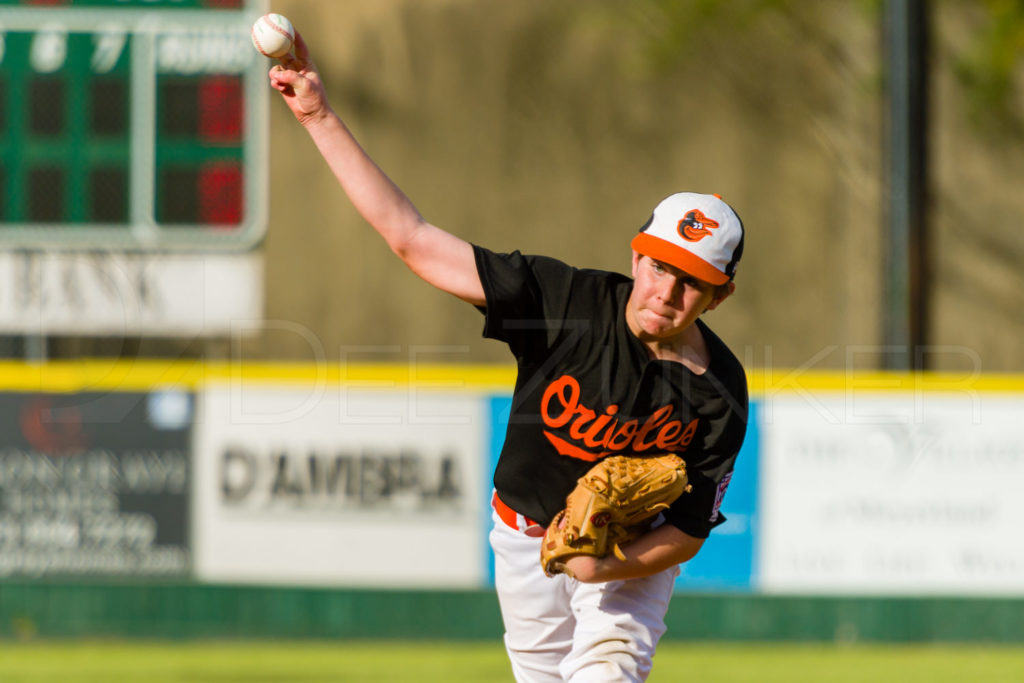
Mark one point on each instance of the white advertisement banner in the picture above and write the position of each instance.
(336, 486)
(886, 493)
(129, 294)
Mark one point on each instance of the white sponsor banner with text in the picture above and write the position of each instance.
(329, 486)
(882, 494)
(128, 294)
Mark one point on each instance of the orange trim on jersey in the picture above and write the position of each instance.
(663, 250)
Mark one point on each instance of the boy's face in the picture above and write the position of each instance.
(665, 300)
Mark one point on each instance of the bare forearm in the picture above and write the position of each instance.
(440, 258)
(653, 552)
(381, 203)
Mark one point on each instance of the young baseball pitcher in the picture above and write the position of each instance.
(626, 420)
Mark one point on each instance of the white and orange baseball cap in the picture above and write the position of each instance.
(697, 233)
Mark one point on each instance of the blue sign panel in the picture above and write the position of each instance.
(726, 561)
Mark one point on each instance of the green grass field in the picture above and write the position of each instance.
(447, 662)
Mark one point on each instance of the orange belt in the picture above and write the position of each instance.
(515, 520)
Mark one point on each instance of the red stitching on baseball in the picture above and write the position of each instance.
(259, 45)
(277, 28)
(266, 21)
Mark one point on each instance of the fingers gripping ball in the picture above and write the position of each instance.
(273, 35)
(613, 503)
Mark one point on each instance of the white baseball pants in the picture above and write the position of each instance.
(558, 629)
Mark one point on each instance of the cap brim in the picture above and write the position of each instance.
(663, 250)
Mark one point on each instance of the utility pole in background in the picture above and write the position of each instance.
(906, 258)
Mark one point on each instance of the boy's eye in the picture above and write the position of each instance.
(695, 283)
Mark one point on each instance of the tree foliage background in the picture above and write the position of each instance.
(556, 127)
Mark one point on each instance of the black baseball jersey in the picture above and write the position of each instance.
(587, 388)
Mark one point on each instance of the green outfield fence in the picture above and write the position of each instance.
(188, 611)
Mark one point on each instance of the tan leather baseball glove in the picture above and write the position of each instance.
(613, 503)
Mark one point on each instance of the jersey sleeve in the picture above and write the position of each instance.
(699, 511)
(526, 296)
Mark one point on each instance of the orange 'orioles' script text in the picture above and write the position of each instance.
(601, 435)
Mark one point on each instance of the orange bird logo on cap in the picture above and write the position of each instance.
(695, 226)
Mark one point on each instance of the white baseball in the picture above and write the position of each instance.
(273, 35)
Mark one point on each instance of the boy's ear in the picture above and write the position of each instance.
(721, 297)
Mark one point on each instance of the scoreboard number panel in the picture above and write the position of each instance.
(132, 125)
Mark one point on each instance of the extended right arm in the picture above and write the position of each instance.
(437, 256)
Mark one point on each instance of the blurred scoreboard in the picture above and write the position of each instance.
(131, 124)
